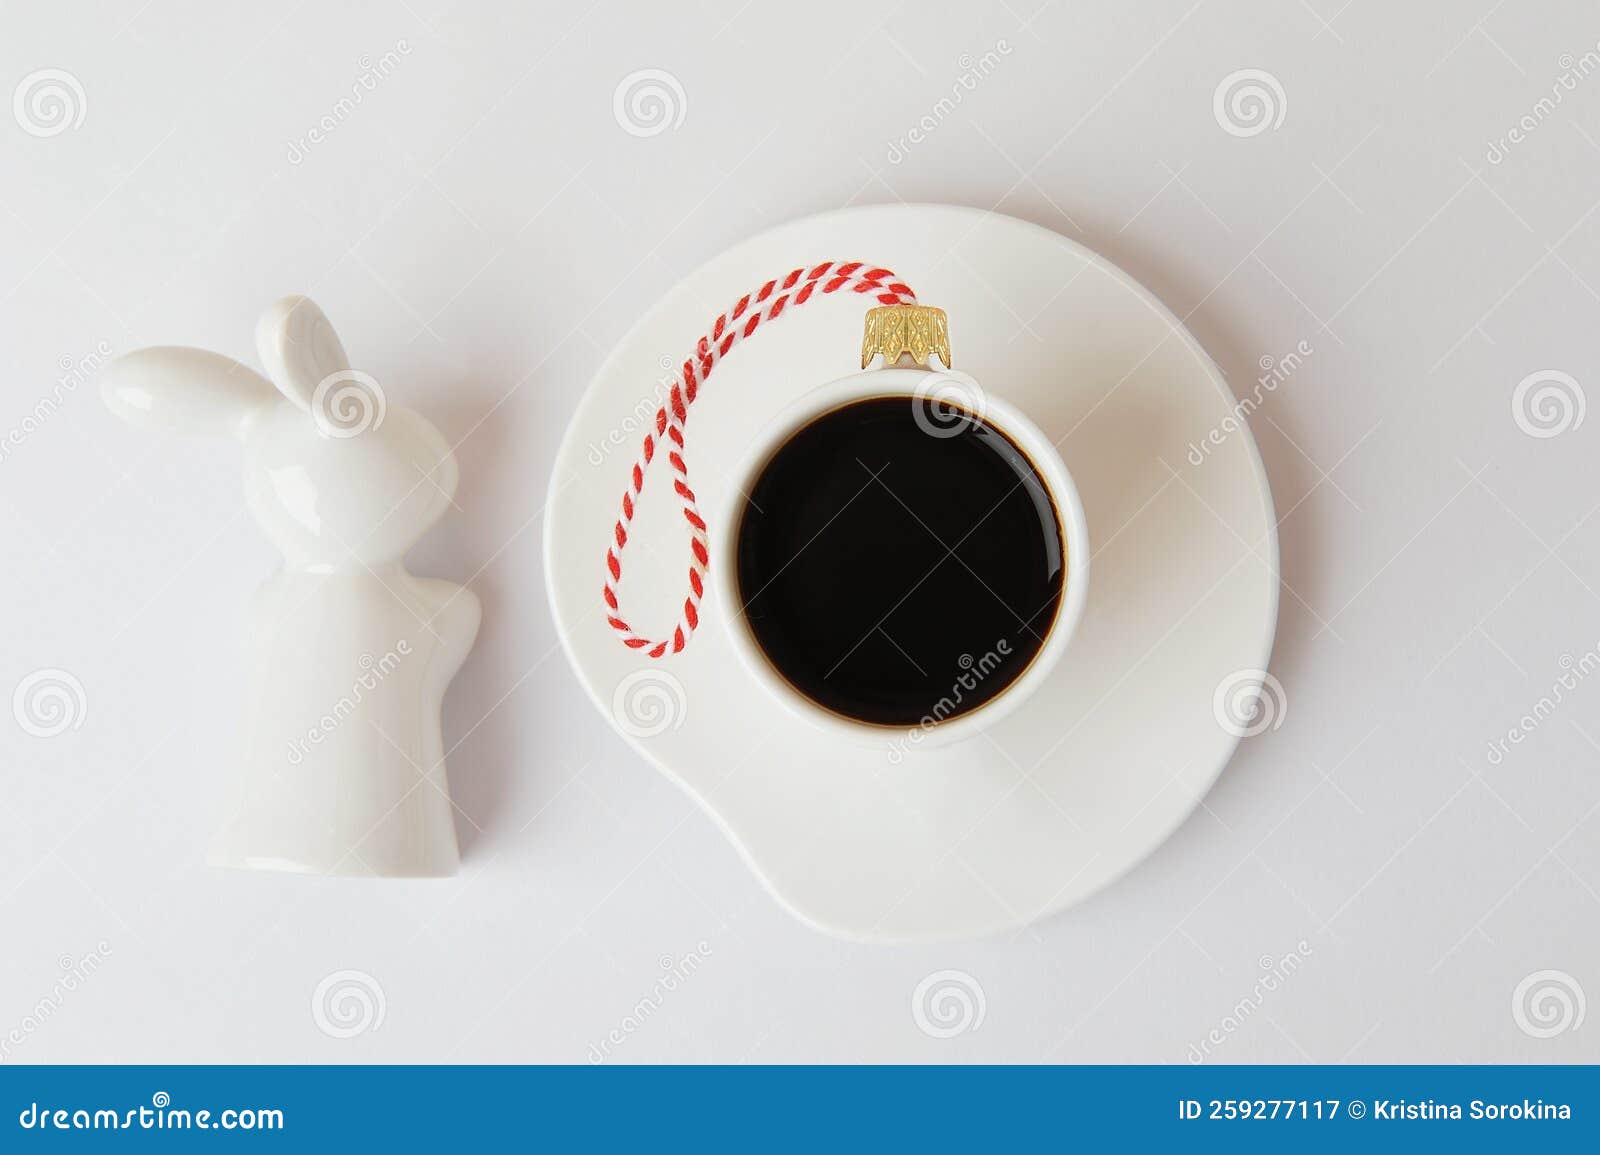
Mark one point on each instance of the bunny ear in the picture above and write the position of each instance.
(299, 348)
(188, 390)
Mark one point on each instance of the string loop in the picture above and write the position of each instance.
(666, 436)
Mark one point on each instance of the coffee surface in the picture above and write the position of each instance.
(899, 564)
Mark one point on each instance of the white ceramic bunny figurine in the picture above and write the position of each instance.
(344, 767)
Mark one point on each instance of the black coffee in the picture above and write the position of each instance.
(899, 564)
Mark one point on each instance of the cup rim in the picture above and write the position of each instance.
(1072, 524)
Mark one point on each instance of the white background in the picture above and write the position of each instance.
(481, 228)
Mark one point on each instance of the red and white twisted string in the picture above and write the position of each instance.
(765, 304)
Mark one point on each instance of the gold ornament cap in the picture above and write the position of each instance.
(898, 330)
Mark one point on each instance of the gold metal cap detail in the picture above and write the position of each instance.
(895, 330)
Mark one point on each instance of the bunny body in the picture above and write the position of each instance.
(350, 654)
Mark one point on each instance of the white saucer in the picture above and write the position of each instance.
(1102, 764)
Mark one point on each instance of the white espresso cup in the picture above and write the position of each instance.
(959, 397)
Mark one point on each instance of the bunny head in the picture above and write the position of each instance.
(337, 478)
